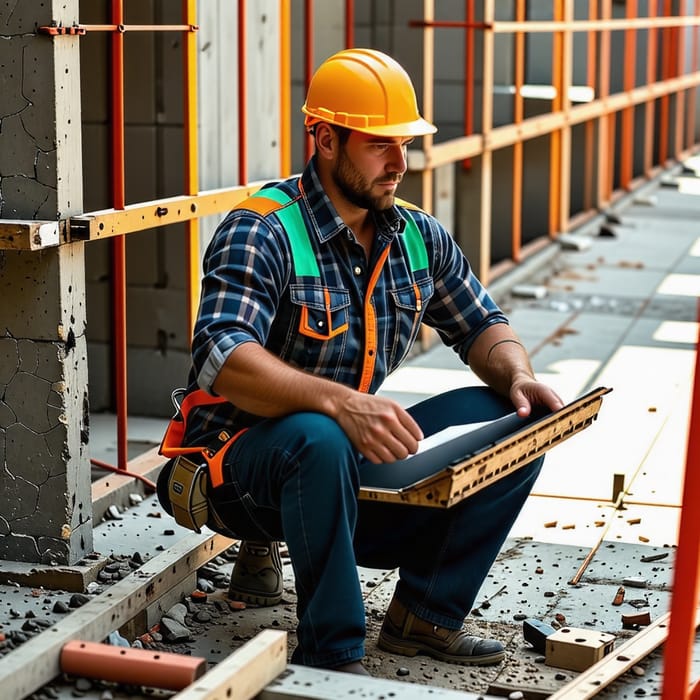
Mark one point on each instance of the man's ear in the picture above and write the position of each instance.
(326, 140)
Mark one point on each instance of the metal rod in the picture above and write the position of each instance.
(242, 96)
(285, 89)
(686, 582)
(589, 125)
(468, 76)
(627, 115)
(518, 113)
(189, 8)
(650, 106)
(349, 24)
(665, 99)
(554, 186)
(119, 243)
(308, 62)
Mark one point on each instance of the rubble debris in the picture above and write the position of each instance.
(577, 649)
(619, 596)
(654, 557)
(633, 620)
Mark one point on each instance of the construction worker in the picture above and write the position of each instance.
(314, 290)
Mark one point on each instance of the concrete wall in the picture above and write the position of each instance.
(45, 498)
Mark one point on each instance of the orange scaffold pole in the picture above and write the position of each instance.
(678, 650)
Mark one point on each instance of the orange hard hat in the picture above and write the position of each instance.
(365, 90)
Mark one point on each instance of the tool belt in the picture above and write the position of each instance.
(195, 468)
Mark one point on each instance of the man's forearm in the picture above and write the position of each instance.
(499, 359)
(258, 382)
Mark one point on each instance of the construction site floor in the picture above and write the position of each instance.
(614, 305)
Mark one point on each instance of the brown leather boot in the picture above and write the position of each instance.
(404, 633)
(257, 574)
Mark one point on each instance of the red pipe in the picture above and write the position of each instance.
(119, 242)
(349, 24)
(308, 62)
(468, 76)
(242, 96)
(154, 669)
(678, 650)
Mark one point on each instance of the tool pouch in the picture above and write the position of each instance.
(187, 491)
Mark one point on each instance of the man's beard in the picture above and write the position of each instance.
(356, 189)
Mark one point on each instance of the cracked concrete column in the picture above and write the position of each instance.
(45, 491)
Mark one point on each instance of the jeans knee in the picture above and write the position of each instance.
(321, 446)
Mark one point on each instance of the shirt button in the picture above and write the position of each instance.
(319, 324)
(358, 270)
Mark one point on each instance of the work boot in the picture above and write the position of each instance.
(404, 633)
(257, 574)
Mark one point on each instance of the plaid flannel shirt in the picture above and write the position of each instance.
(250, 294)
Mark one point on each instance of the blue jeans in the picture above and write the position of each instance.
(296, 479)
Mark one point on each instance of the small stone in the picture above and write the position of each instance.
(135, 499)
(113, 513)
(402, 671)
(173, 631)
(638, 671)
(177, 613)
(83, 684)
(77, 600)
(516, 695)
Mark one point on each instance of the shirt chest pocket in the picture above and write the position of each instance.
(323, 311)
(413, 298)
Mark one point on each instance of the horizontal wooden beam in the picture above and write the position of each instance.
(243, 674)
(18, 234)
(144, 215)
(593, 25)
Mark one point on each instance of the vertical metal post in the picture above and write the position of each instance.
(678, 650)
(468, 75)
(308, 62)
(589, 127)
(665, 100)
(650, 105)
(428, 90)
(567, 61)
(604, 125)
(678, 68)
(189, 11)
(518, 112)
(118, 243)
(627, 116)
(242, 96)
(349, 24)
(690, 123)
(285, 61)
(555, 136)
(484, 263)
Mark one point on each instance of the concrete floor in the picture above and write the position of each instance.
(621, 312)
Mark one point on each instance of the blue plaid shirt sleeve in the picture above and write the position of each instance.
(244, 271)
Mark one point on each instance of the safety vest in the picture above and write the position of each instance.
(273, 200)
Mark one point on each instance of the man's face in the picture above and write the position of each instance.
(368, 169)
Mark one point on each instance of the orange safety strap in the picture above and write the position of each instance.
(370, 356)
(172, 446)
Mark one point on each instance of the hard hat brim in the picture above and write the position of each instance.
(417, 127)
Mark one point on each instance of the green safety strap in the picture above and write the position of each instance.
(415, 246)
(305, 264)
(303, 255)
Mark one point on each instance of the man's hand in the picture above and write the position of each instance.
(379, 428)
(529, 392)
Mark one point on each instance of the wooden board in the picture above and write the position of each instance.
(463, 477)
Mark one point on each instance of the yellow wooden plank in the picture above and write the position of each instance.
(245, 672)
